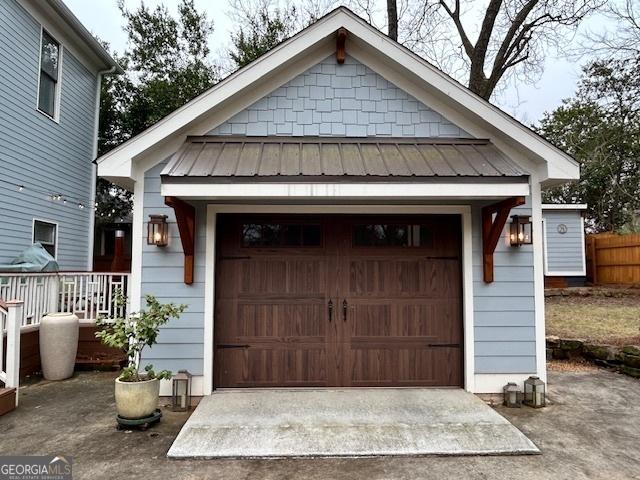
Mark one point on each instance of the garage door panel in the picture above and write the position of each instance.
(430, 366)
(280, 321)
(430, 278)
(396, 316)
(306, 366)
(273, 276)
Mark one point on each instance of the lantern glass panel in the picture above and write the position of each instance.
(520, 230)
(511, 395)
(534, 392)
(181, 391)
(157, 230)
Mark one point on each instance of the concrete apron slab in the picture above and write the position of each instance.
(351, 423)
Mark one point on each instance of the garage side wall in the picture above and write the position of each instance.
(181, 341)
(564, 242)
(504, 311)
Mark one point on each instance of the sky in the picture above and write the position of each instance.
(528, 103)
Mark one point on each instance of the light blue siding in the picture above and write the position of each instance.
(44, 156)
(181, 342)
(339, 100)
(504, 311)
(564, 251)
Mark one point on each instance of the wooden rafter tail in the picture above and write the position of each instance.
(341, 49)
(186, 220)
(492, 230)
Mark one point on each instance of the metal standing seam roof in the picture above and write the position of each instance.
(338, 157)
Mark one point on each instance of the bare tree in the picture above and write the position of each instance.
(392, 19)
(482, 45)
(623, 43)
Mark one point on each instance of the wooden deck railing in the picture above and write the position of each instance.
(10, 320)
(613, 259)
(87, 294)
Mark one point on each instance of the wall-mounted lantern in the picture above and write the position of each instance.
(520, 233)
(181, 391)
(157, 231)
(534, 392)
(512, 396)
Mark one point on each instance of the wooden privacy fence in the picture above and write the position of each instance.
(613, 259)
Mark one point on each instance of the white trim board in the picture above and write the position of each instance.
(564, 206)
(413, 191)
(538, 281)
(467, 267)
(555, 165)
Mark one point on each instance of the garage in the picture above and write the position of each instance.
(338, 301)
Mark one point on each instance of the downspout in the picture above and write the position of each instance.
(94, 167)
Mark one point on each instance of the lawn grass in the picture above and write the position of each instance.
(600, 319)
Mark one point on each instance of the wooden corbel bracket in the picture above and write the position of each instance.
(186, 219)
(492, 230)
(341, 49)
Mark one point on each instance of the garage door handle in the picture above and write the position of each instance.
(330, 306)
(344, 310)
(443, 345)
(233, 346)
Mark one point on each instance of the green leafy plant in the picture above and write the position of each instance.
(135, 332)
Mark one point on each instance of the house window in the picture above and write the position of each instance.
(392, 235)
(49, 75)
(281, 235)
(46, 234)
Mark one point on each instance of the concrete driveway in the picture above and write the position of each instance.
(347, 423)
(592, 431)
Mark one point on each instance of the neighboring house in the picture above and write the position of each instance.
(338, 215)
(49, 101)
(564, 244)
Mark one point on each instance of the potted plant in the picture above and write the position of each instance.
(136, 392)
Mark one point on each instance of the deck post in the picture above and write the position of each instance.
(14, 321)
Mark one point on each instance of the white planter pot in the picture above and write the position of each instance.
(58, 345)
(137, 399)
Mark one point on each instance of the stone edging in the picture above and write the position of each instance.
(625, 359)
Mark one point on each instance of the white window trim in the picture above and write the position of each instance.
(58, 96)
(566, 273)
(50, 222)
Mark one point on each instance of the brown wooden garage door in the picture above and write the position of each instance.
(338, 301)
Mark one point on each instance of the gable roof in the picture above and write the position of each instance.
(559, 166)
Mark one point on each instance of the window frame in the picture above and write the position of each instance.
(58, 83)
(56, 236)
(268, 222)
(410, 235)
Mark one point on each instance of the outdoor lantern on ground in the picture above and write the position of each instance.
(181, 392)
(520, 233)
(157, 230)
(534, 392)
(512, 398)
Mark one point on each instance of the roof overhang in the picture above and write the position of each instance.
(368, 45)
